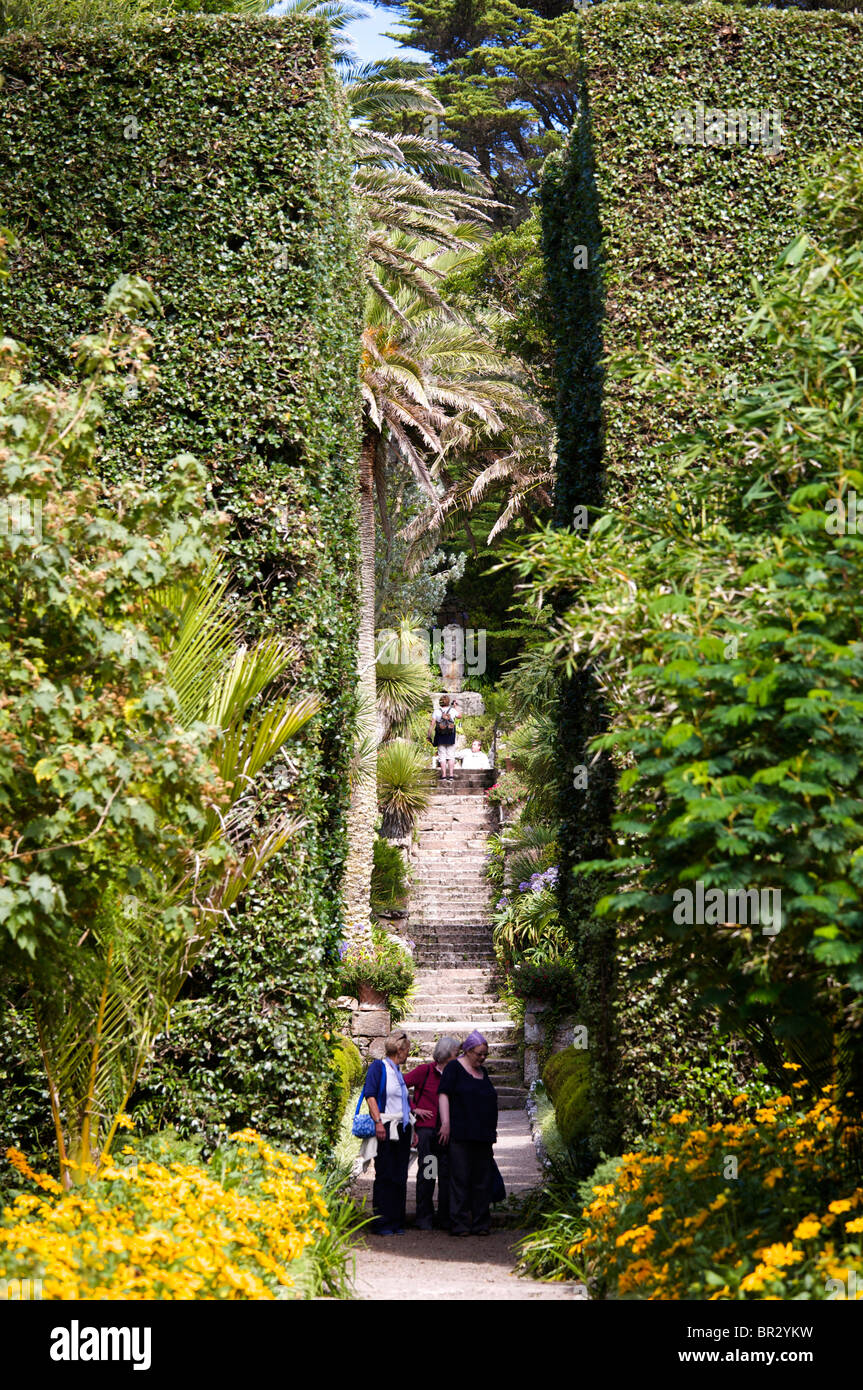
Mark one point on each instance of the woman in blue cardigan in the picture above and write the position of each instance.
(386, 1095)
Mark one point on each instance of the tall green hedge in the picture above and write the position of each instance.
(211, 156)
(675, 232)
(672, 235)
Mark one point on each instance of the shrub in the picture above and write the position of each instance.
(387, 967)
(567, 1079)
(507, 791)
(389, 876)
(764, 1207)
(348, 1068)
(553, 981)
(235, 1229)
(403, 785)
(674, 236)
(529, 927)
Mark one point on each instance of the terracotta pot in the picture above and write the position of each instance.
(367, 995)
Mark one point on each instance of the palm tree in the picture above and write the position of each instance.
(99, 1013)
(433, 384)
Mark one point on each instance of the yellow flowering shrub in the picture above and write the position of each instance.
(676, 1223)
(148, 1230)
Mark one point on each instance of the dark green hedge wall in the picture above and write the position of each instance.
(673, 235)
(675, 232)
(210, 155)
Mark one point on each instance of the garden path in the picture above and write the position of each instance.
(450, 921)
(432, 1265)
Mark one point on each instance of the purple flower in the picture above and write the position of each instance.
(523, 887)
(502, 902)
(343, 949)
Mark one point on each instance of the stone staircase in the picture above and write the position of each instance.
(450, 921)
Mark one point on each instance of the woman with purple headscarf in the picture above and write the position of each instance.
(468, 1124)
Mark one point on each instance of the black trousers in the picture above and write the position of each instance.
(470, 1178)
(390, 1187)
(429, 1149)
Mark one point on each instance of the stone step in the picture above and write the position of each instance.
(422, 1048)
(454, 976)
(473, 782)
(479, 1016)
(475, 955)
(462, 931)
(448, 1001)
(495, 1032)
(459, 907)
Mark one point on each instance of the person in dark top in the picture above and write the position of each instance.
(432, 1159)
(467, 1102)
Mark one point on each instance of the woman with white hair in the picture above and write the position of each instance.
(386, 1096)
(432, 1159)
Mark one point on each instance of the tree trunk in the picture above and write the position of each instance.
(364, 802)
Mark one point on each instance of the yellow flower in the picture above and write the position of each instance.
(719, 1203)
(125, 1122)
(773, 1177)
(838, 1207)
(657, 1216)
(855, 1226)
(754, 1282)
(741, 1099)
(780, 1255)
(791, 1066)
(681, 1117)
(807, 1228)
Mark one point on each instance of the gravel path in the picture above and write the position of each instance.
(432, 1264)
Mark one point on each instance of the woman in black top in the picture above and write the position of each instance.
(468, 1124)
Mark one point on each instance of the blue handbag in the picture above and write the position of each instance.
(363, 1126)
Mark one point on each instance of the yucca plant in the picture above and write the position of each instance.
(403, 786)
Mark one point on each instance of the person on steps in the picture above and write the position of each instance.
(475, 759)
(442, 728)
(432, 1158)
(468, 1124)
(386, 1095)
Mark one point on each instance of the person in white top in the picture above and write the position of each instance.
(474, 759)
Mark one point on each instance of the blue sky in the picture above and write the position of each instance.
(367, 34)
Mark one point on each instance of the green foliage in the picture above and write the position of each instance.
(505, 81)
(389, 876)
(671, 257)
(567, 1079)
(557, 1222)
(528, 928)
(738, 724)
(553, 981)
(669, 260)
(195, 129)
(558, 1152)
(672, 1055)
(99, 777)
(403, 785)
(509, 790)
(25, 1105)
(348, 1068)
(387, 966)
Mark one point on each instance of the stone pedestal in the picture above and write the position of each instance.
(535, 1030)
(370, 1025)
